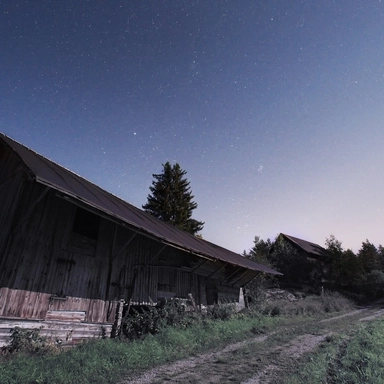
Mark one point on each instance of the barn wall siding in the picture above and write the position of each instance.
(16, 303)
(11, 188)
(42, 260)
(40, 263)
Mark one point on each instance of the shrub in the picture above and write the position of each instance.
(174, 312)
(335, 302)
(151, 320)
(373, 284)
(221, 311)
(28, 341)
(141, 322)
(310, 306)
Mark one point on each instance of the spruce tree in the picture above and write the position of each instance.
(171, 199)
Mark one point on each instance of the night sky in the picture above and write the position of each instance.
(274, 108)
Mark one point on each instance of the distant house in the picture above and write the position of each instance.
(310, 262)
(70, 252)
(312, 251)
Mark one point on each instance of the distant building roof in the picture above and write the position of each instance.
(311, 248)
(72, 186)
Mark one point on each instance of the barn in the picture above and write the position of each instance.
(309, 262)
(72, 253)
(313, 252)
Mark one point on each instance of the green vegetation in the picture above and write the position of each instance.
(362, 274)
(351, 357)
(173, 314)
(28, 341)
(105, 361)
(359, 275)
(312, 306)
(171, 199)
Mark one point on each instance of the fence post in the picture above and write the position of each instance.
(191, 298)
(118, 318)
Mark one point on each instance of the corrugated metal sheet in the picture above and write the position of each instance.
(307, 246)
(47, 172)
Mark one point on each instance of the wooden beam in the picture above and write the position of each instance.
(124, 246)
(232, 274)
(118, 319)
(200, 265)
(253, 278)
(154, 257)
(242, 276)
(217, 270)
(158, 266)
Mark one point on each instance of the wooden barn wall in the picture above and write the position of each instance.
(41, 263)
(175, 278)
(227, 279)
(48, 267)
(11, 186)
(218, 281)
(228, 294)
(132, 275)
(202, 291)
(17, 303)
(41, 258)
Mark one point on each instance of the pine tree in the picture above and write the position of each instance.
(260, 251)
(171, 199)
(335, 250)
(369, 257)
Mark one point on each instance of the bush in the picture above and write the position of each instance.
(142, 322)
(151, 320)
(28, 341)
(334, 302)
(221, 311)
(310, 306)
(373, 284)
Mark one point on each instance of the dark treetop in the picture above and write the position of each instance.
(171, 199)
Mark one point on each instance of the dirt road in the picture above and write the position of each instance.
(258, 360)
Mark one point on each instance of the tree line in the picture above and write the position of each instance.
(360, 273)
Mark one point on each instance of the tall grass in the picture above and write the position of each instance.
(360, 360)
(311, 306)
(355, 358)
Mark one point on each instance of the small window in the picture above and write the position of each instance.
(86, 224)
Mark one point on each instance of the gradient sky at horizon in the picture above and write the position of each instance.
(275, 109)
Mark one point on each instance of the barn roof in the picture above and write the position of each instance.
(311, 248)
(80, 190)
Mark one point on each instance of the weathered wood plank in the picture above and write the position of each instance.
(35, 305)
(75, 316)
(68, 333)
